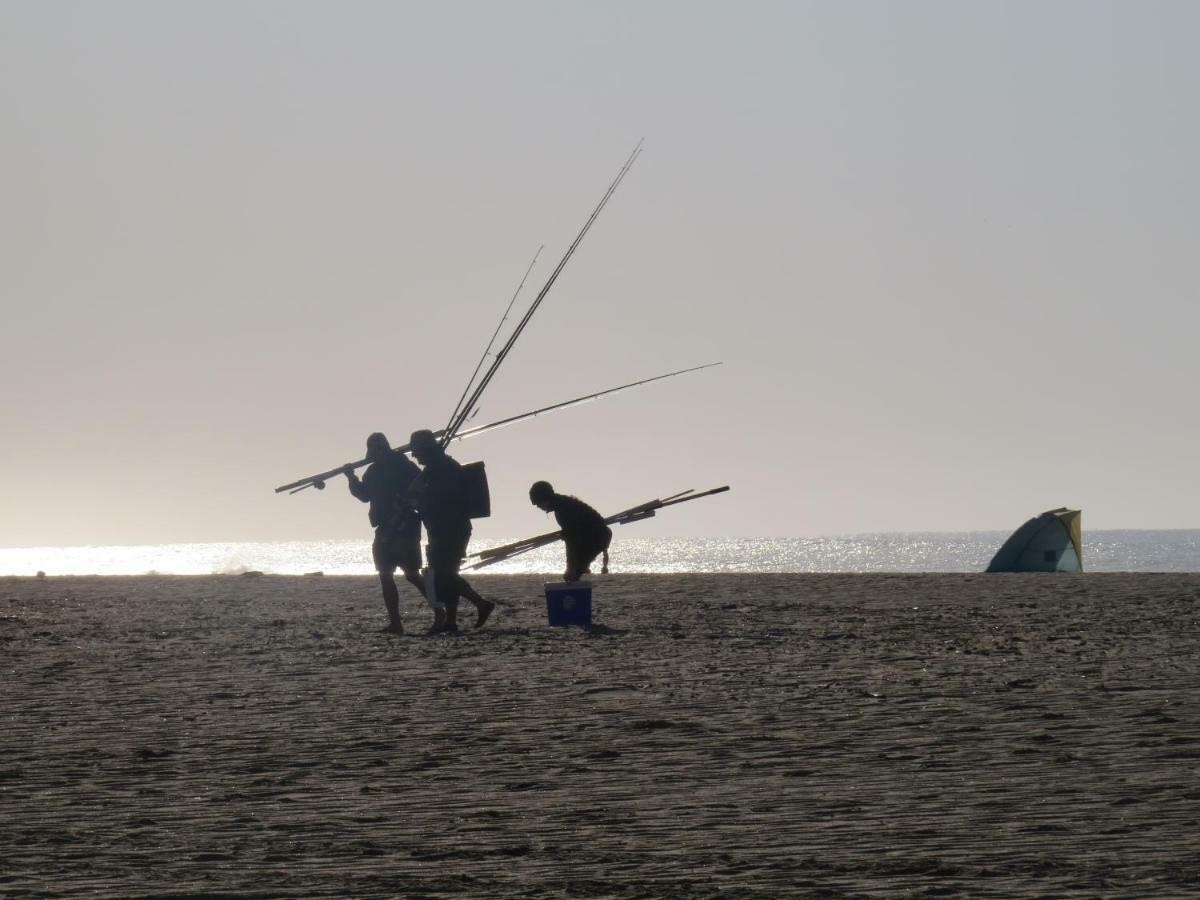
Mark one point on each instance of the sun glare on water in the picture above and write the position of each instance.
(1104, 551)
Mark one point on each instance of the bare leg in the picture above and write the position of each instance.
(483, 606)
(445, 609)
(391, 601)
(451, 623)
(444, 558)
(577, 562)
(465, 590)
(449, 596)
(414, 578)
(436, 602)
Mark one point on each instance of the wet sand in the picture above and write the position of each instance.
(801, 735)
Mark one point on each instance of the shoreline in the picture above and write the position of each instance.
(529, 585)
(949, 552)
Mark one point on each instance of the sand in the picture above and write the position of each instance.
(823, 735)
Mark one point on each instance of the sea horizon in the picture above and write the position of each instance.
(1113, 550)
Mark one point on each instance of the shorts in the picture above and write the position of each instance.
(397, 550)
(581, 555)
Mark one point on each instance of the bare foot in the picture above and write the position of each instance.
(394, 628)
(485, 610)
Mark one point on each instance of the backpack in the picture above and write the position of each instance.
(476, 497)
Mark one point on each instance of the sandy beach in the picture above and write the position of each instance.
(802, 735)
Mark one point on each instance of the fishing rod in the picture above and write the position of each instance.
(504, 318)
(318, 481)
(470, 432)
(625, 517)
(464, 411)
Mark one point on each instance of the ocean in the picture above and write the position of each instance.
(1103, 551)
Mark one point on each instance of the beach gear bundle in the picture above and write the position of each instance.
(318, 481)
(468, 402)
(465, 408)
(646, 510)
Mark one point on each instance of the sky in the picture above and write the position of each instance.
(946, 252)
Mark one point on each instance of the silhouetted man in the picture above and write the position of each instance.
(442, 503)
(583, 529)
(397, 544)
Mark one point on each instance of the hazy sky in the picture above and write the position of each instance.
(947, 252)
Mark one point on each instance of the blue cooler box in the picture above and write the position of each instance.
(569, 602)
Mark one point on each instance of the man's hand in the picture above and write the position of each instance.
(348, 470)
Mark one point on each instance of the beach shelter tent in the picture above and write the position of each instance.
(1050, 542)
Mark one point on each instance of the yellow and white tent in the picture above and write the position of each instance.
(1051, 542)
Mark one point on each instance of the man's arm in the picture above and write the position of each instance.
(357, 488)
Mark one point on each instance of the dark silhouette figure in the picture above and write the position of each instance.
(443, 507)
(583, 529)
(397, 544)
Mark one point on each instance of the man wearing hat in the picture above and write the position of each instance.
(397, 542)
(441, 501)
(583, 529)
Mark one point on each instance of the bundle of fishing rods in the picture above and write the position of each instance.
(318, 481)
(494, 555)
(468, 402)
(465, 409)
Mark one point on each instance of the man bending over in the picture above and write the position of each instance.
(583, 529)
